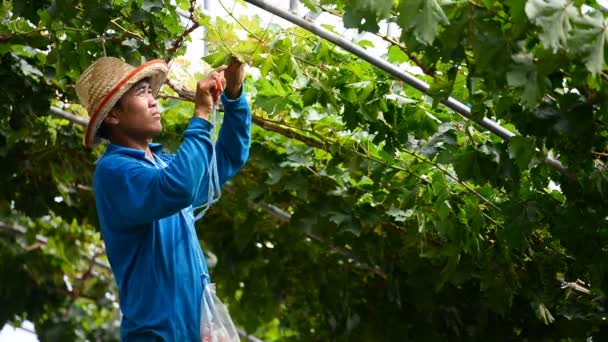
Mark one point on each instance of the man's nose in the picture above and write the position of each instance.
(152, 101)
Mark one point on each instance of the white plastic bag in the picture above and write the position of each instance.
(216, 324)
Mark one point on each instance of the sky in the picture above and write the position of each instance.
(11, 334)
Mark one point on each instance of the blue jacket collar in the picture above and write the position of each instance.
(132, 152)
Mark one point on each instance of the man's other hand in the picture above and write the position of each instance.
(206, 90)
(234, 74)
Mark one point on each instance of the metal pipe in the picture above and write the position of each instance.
(71, 117)
(207, 8)
(418, 84)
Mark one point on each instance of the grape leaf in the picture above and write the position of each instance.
(524, 75)
(521, 149)
(554, 17)
(423, 17)
(589, 38)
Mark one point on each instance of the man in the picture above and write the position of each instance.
(144, 198)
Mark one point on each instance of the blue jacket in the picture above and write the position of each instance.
(145, 213)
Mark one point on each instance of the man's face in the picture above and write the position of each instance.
(137, 115)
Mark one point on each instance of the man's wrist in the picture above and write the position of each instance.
(234, 92)
(201, 113)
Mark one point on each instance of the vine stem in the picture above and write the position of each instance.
(134, 34)
(260, 40)
(447, 173)
(180, 40)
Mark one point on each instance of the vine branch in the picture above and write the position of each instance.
(180, 40)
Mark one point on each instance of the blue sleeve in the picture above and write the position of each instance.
(232, 147)
(129, 192)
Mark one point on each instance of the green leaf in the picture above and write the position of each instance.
(217, 59)
(589, 39)
(440, 187)
(364, 43)
(152, 5)
(396, 55)
(554, 17)
(524, 75)
(267, 65)
(399, 215)
(521, 149)
(517, 10)
(28, 9)
(423, 17)
(365, 14)
(310, 4)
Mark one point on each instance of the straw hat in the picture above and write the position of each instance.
(103, 83)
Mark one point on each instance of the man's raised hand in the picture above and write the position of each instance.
(234, 74)
(207, 90)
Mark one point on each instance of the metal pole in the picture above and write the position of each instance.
(420, 85)
(70, 117)
(206, 7)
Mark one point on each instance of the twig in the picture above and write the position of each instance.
(46, 29)
(76, 293)
(288, 132)
(260, 40)
(180, 40)
(444, 171)
(134, 34)
(410, 55)
(575, 286)
(236, 20)
(167, 96)
(322, 143)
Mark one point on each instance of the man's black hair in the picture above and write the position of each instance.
(103, 131)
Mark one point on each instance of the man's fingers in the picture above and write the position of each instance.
(217, 76)
(218, 89)
(220, 68)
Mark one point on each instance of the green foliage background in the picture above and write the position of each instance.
(367, 211)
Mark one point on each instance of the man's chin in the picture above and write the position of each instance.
(152, 134)
(158, 130)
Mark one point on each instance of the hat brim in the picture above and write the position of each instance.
(156, 70)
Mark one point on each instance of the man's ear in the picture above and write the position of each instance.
(111, 119)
